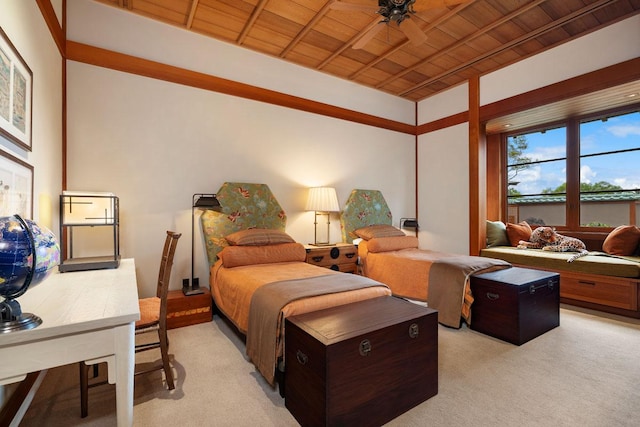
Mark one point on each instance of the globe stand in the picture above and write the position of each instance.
(13, 319)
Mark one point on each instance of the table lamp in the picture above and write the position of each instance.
(323, 201)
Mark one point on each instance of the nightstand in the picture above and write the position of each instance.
(188, 310)
(339, 257)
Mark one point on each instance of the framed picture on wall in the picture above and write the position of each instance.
(16, 186)
(16, 89)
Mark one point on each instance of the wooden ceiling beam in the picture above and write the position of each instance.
(252, 20)
(318, 16)
(192, 14)
(349, 43)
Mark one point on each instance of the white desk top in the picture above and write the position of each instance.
(79, 301)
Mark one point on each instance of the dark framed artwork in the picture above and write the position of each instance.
(16, 186)
(16, 95)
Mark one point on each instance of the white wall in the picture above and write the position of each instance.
(443, 187)
(155, 143)
(446, 151)
(23, 24)
(25, 27)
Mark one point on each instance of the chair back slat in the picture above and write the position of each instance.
(164, 274)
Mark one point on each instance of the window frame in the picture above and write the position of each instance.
(573, 160)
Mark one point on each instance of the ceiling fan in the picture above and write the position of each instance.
(398, 11)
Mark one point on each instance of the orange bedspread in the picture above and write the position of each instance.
(405, 271)
(233, 288)
(408, 273)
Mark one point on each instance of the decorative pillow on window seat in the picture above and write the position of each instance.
(517, 232)
(497, 234)
(623, 240)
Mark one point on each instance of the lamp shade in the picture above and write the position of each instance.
(87, 208)
(323, 199)
(206, 201)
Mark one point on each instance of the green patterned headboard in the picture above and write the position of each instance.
(243, 206)
(363, 207)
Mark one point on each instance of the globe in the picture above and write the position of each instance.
(28, 254)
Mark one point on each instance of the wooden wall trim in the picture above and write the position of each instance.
(445, 122)
(477, 171)
(614, 75)
(494, 182)
(49, 15)
(134, 65)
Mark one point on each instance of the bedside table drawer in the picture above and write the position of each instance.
(340, 257)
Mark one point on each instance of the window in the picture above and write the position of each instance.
(609, 171)
(579, 174)
(536, 167)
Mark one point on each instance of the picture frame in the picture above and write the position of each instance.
(16, 186)
(16, 95)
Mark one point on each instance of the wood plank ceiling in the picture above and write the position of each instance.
(463, 40)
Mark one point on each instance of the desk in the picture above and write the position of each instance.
(85, 315)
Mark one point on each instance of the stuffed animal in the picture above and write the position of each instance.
(547, 239)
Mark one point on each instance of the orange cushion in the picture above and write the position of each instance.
(149, 312)
(622, 240)
(238, 256)
(258, 237)
(517, 232)
(378, 230)
(386, 244)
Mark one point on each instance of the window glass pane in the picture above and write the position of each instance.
(609, 172)
(536, 171)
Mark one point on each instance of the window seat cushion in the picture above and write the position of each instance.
(594, 263)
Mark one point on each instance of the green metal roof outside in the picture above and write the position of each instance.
(561, 198)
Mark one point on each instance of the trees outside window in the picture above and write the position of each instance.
(579, 174)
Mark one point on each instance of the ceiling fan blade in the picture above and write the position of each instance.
(422, 5)
(366, 38)
(413, 32)
(340, 5)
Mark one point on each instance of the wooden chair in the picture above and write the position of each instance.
(153, 317)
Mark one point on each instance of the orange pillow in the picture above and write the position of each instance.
(622, 240)
(258, 237)
(517, 232)
(237, 256)
(386, 244)
(378, 230)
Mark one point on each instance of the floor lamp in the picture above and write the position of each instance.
(323, 201)
(199, 201)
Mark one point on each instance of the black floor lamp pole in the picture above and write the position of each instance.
(201, 201)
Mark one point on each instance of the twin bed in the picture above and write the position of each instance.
(258, 274)
(391, 257)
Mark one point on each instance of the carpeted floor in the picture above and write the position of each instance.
(584, 373)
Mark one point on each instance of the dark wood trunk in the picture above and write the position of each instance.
(360, 364)
(515, 304)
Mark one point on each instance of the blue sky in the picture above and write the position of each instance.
(617, 133)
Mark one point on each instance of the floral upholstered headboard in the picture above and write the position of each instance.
(363, 207)
(243, 206)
